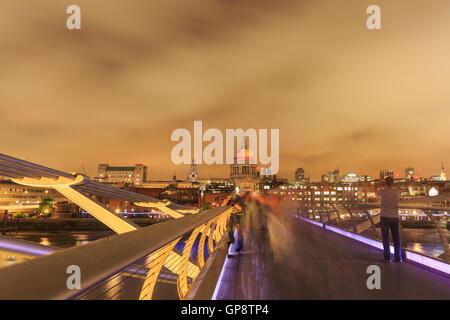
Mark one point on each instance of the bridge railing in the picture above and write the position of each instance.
(125, 266)
(362, 220)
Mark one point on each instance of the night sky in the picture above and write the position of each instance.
(340, 94)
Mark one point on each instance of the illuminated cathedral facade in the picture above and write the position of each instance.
(244, 172)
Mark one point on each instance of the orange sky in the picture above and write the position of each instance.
(339, 93)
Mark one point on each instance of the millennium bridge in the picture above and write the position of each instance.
(309, 252)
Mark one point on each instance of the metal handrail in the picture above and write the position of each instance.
(11, 167)
(46, 277)
(34, 169)
(413, 256)
(402, 206)
(371, 220)
(25, 247)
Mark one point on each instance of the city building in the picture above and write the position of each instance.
(332, 176)
(441, 177)
(272, 182)
(326, 194)
(386, 173)
(216, 185)
(410, 173)
(365, 178)
(351, 178)
(122, 175)
(214, 191)
(299, 174)
(18, 198)
(300, 178)
(177, 191)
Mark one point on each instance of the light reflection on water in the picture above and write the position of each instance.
(62, 239)
(431, 249)
(45, 242)
(117, 287)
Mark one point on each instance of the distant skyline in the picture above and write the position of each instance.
(219, 171)
(182, 171)
(339, 93)
(343, 171)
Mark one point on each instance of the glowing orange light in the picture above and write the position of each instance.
(244, 154)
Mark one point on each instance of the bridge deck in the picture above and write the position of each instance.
(325, 265)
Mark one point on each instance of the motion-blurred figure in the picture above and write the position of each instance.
(239, 209)
(269, 249)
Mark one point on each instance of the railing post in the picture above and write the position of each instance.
(5, 222)
(355, 230)
(211, 236)
(201, 245)
(328, 215)
(220, 228)
(158, 259)
(182, 284)
(337, 213)
(319, 211)
(441, 234)
(372, 223)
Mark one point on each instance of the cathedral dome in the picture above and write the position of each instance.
(244, 154)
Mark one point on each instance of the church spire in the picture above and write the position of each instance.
(443, 174)
(193, 175)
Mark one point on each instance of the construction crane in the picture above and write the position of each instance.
(82, 167)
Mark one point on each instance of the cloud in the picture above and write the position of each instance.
(339, 93)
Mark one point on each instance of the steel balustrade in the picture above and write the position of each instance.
(77, 188)
(357, 227)
(140, 252)
(182, 281)
(157, 262)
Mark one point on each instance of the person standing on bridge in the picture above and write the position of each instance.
(235, 221)
(389, 218)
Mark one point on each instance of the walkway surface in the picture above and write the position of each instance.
(321, 264)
